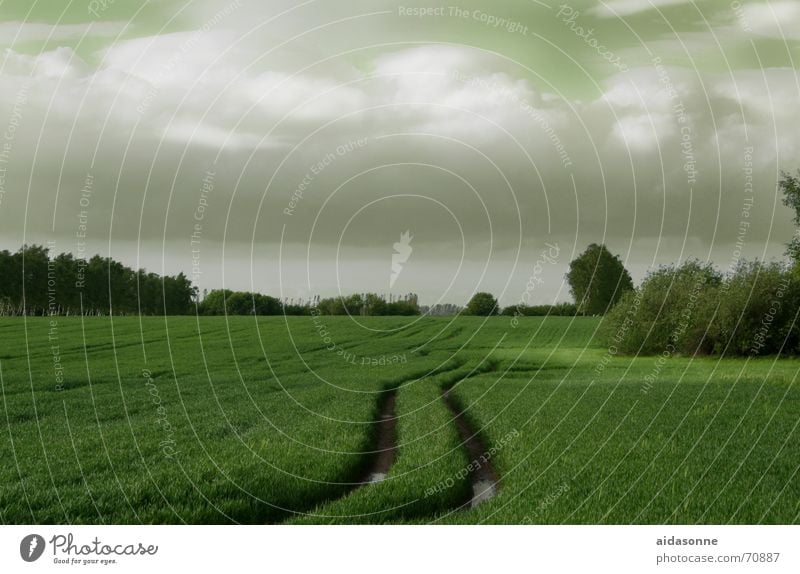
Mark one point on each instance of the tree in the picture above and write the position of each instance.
(482, 304)
(597, 280)
(790, 186)
(214, 302)
(375, 305)
(10, 282)
(65, 269)
(148, 293)
(331, 306)
(266, 305)
(179, 295)
(121, 287)
(95, 286)
(33, 261)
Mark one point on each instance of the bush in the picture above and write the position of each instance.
(690, 309)
(369, 304)
(227, 302)
(756, 311)
(668, 312)
(559, 309)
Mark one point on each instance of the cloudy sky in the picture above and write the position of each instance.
(285, 146)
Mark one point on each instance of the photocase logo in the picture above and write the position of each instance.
(402, 251)
(31, 547)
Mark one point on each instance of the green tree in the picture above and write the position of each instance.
(178, 295)
(331, 306)
(353, 304)
(121, 288)
(482, 304)
(9, 282)
(148, 293)
(214, 303)
(32, 263)
(597, 280)
(239, 303)
(65, 270)
(375, 305)
(266, 305)
(790, 186)
(95, 286)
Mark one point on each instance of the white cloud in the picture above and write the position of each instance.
(455, 91)
(315, 98)
(176, 58)
(215, 137)
(617, 8)
(431, 59)
(776, 19)
(61, 63)
(642, 133)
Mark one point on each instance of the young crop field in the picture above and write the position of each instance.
(384, 420)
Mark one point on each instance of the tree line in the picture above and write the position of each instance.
(34, 283)
(227, 302)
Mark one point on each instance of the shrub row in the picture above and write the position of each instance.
(694, 309)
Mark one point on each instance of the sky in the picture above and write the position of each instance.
(285, 147)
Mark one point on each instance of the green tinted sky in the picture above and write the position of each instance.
(483, 140)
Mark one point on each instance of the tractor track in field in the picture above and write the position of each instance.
(385, 439)
(481, 473)
(380, 455)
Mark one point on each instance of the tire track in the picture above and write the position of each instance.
(384, 439)
(483, 478)
(380, 453)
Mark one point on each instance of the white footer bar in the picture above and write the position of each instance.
(401, 549)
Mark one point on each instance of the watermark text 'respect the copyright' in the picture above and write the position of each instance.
(480, 16)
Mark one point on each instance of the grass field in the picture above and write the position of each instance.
(217, 420)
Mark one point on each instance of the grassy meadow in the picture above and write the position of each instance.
(272, 420)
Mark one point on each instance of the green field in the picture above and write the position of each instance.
(218, 420)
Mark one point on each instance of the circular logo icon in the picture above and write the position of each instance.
(31, 547)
